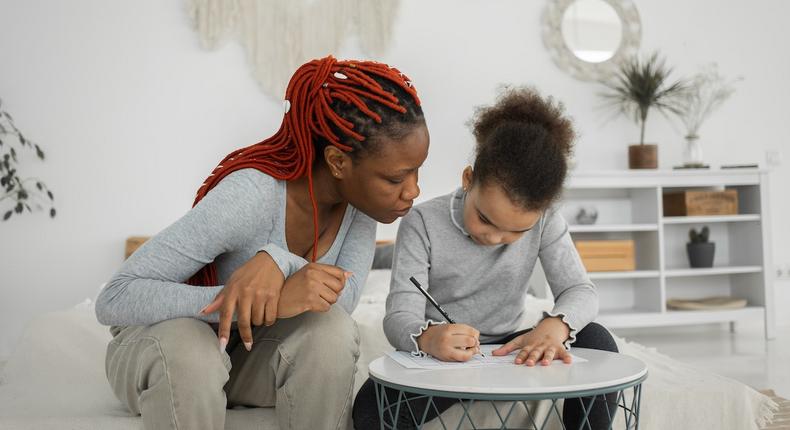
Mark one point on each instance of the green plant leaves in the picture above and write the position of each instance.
(640, 86)
(14, 192)
(699, 237)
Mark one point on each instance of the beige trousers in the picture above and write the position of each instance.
(174, 374)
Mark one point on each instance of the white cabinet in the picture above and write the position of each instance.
(629, 206)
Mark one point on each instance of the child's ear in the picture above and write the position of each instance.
(467, 177)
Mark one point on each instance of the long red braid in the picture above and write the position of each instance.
(289, 154)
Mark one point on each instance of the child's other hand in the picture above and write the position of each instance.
(541, 345)
(450, 342)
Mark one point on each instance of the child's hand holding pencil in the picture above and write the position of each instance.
(453, 342)
(450, 342)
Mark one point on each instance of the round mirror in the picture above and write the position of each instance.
(588, 38)
(592, 30)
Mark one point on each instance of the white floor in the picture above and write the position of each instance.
(744, 355)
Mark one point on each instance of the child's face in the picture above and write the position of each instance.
(491, 218)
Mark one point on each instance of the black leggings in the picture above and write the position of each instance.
(593, 336)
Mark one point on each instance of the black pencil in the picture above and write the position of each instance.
(430, 299)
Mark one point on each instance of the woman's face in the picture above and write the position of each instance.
(490, 217)
(383, 184)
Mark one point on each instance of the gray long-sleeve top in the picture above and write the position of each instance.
(482, 286)
(242, 215)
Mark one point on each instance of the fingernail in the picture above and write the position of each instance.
(248, 345)
(348, 274)
(203, 310)
(223, 343)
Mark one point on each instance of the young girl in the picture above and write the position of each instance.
(475, 248)
(281, 235)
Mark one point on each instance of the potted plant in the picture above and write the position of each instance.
(699, 249)
(706, 92)
(17, 193)
(638, 87)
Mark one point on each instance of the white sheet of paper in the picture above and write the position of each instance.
(409, 361)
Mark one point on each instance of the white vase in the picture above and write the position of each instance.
(692, 152)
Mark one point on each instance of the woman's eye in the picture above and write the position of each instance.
(394, 180)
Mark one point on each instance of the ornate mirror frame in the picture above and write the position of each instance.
(564, 58)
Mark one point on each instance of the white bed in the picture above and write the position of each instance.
(55, 379)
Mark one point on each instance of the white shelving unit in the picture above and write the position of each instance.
(629, 204)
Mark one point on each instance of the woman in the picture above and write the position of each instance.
(346, 155)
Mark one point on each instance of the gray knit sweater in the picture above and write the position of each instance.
(482, 286)
(242, 215)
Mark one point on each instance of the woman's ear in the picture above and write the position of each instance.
(337, 161)
(467, 177)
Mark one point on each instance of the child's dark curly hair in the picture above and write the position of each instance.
(523, 145)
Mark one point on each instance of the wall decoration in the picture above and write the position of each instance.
(280, 35)
(589, 38)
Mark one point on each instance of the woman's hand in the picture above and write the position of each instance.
(542, 344)
(450, 342)
(313, 288)
(253, 293)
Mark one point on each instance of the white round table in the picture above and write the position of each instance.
(602, 373)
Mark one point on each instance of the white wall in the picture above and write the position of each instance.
(133, 114)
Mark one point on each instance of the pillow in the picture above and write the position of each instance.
(382, 259)
(377, 286)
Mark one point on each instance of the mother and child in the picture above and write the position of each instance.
(245, 300)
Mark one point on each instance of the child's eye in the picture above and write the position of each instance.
(483, 220)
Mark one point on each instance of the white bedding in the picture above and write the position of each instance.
(55, 378)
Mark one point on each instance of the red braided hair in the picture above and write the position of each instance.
(289, 154)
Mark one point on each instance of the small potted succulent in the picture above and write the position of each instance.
(699, 249)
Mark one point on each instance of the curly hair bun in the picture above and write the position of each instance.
(523, 144)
